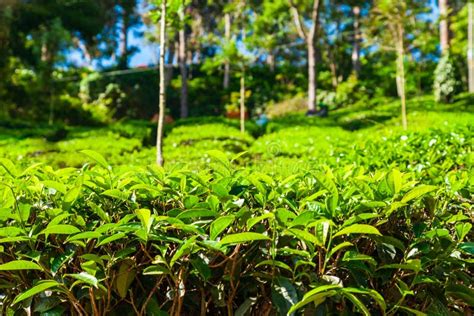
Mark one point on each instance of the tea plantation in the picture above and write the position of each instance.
(307, 216)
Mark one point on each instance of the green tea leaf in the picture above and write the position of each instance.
(219, 225)
(358, 229)
(304, 235)
(196, 213)
(413, 311)
(254, 220)
(156, 269)
(111, 239)
(9, 167)
(125, 277)
(19, 265)
(84, 235)
(70, 197)
(58, 186)
(183, 250)
(220, 157)
(467, 247)
(462, 229)
(202, 267)
(356, 302)
(240, 238)
(99, 211)
(394, 181)
(61, 229)
(85, 277)
(96, 157)
(372, 293)
(11, 231)
(115, 193)
(38, 288)
(417, 192)
(317, 295)
(414, 265)
(337, 248)
(459, 291)
(144, 215)
(274, 263)
(284, 295)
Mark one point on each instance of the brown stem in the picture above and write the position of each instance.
(132, 302)
(94, 305)
(157, 285)
(236, 250)
(180, 297)
(203, 303)
(233, 286)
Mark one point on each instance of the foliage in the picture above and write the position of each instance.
(227, 239)
(446, 84)
(296, 104)
(312, 218)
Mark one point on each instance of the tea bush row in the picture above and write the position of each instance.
(99, 240)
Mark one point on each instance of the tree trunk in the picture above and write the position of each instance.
(311, 76)
(271, 60)
(332, 67)
(162, 101)
(196, 36)
(226, 62)
(401, 74)
(183, 67)
(47, 59)
(443, 26)
(470, 50)
(170, 61)
(356, 45)
(311, 43)
(242, 102)
(123, 60)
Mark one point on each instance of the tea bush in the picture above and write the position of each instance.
(229, 240)
(310, 218)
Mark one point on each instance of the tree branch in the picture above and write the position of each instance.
(297, 19)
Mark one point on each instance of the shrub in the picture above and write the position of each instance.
(227, 240)
(296, 104)
(446, 84)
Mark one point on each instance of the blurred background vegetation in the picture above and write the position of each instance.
(69, 62)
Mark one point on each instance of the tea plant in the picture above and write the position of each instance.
(227, 240)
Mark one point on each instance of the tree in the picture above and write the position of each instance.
(389, 20)
(162, 100)
(129, 18)
(182, 59)
(52, 38)
(356, 41)
(269, 31)
(227, 33)
(306, 26)
(443, 25)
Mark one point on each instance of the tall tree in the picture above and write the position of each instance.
(470, 45)
(357, 39)
(183, 59)
(443, 25)
(269, 30)
(128, 18)
(306, 26)
(52, 38)
(227, 34)
(390, 23)
(162, 98)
